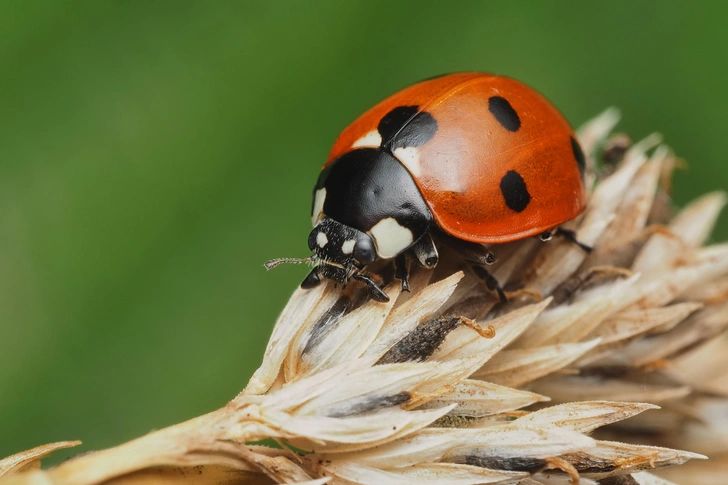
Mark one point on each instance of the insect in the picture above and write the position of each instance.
(463, 159)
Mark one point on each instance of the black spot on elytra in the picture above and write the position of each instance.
(504, 113)
(578, 155)
(406, 126)
(514, 191)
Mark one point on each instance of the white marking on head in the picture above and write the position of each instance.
(348, 246)
(318, 206)
(390, 238)
(321, 239)
(410, 158)
(371, 139)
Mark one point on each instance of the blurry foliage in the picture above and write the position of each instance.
(154, 155)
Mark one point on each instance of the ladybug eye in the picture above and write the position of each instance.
(364, 251)
(312, 240)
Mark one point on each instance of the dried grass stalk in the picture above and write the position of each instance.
(445, 385)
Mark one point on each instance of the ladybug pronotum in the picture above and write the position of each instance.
(463, 160)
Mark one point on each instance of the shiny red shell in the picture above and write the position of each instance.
(460, 171)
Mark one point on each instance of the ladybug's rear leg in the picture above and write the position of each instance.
(568, 235)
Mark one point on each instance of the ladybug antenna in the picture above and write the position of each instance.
(275, 262)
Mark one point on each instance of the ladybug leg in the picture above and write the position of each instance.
(401, 272)
(546, 235)
(479, 254)
(425, 252)
(474, 252)
(490, 282)
(375, 292)
(313, 279)
(570, 236)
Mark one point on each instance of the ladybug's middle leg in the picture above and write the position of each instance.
(473, 252)
(479, 254)
(490, 282)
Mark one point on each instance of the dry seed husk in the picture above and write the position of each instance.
(408, 392)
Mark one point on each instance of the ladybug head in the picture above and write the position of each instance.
(340, 249)
(340, 253)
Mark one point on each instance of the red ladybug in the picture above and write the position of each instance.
(468, 159)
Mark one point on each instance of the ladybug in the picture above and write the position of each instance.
(463, 159)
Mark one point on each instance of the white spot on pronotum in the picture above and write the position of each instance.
(318, 206)
(321, 239)
(391, 238)
(410, 158)
(348, 246)
(371, 139)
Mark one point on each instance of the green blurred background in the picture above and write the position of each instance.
(154, 154)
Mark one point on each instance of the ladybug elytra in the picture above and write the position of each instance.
(463, 159)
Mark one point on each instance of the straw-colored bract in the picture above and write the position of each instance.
(445, 385)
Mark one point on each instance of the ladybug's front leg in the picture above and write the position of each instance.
(375, 292)
(401, 272)
(313, 279)
(424, 252)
